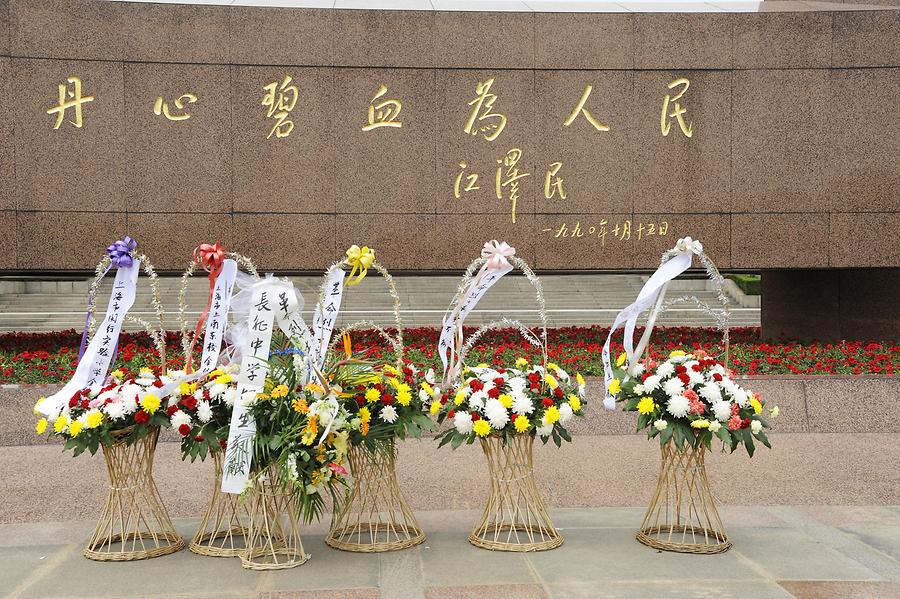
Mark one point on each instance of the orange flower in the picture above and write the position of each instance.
(300, 406)
(364, 429)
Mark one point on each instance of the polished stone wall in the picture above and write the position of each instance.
(792, 162)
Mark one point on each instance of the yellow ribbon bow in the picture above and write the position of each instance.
(360, 258)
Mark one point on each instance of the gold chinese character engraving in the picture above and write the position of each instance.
(383, 114)
(490, 124)
(580, 109)
(161, 107)
(553, 184)
(281, 100)
(677, 111)
(471, 181)
(621, 231)
(70, 99)
(509, 177)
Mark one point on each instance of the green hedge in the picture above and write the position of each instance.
(749, 284)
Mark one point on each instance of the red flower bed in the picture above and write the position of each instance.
(51, 357)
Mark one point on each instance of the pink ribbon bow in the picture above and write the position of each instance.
(497, 253)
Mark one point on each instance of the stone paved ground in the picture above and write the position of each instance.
(779, 551)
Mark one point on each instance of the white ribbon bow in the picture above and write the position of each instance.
(686, 244)
(497, 253)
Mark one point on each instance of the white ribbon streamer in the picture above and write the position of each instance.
(325, 317)
(653, 292)
(272, 301)
(94, 364)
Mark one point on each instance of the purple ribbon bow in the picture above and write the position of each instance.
(120, 252)
(120, 257)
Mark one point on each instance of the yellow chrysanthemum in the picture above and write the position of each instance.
(702, 423)
(216, 373)
(482, 428)
(391, 369)
(393, 382)
(314, 388)
(460, 398)
(676, 353)
(280, 391)
(552, 414)
(521, 424)
(506, 399)
(300, 406)
(757, 405)
(521, 363)
(575, 403)
(94, 419)
(551, 381)
(552, 366)
(262, 396)
(36, 404)
(312, 428)
(365, 415)
(483, 365)
(373, 395)
(615, 386)
(428, 389)
(646, 405)
(117, 373)
(621, 359)
(41, 426)
(145, 370)
(435, 408)
(60, 424)
(187, 388)
(150, 403)
(75, 428)
(579, 379)
(403, 395)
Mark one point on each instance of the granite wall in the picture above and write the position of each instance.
(792, 162)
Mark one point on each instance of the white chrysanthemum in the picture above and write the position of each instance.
(477, 399)
(740, 396)
(545, 429)
(711, 392)
(680, 359)
(389, 414)
(651, 383)
(522, 404)
(496, 414)
(326, 409)
(248, 398)
(144, 381)
(666, 369)
(714, 426)
(639, 389)
(718, 369)
(178, 418)
(115, 410)
(198, 394)
(111, 394)
(660, 424)
(204, 411)
(636, 369)
(673, 387)
(129, 403)
(216, 390)
(517, 384)
(463, 423)
(229, 396)
(565, 413)
(423, 396)
(562, 375)
(678, 406)
(755, 426)
(727, 384)
(721, 410)
(696, 378)
(690, 364)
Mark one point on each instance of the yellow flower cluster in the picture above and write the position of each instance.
(552, 414)
(435, 408)
(482, 428)
(279, 391)
(372, 395)
(757, 405)
(615, 386)
(150, 403)
(94, 419)
(312, 429)
(521, 363)
(575, 403)
(646, 405)
(75, 427)
(521, 424)
(506, 399)
(300, 406)
(41, 426)
(187, 388)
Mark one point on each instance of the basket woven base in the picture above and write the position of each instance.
(134, 523)
(273, 537)
(376, 517)
(682, 516)
(222, 531)
(514, 518)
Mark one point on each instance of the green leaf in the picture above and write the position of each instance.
(763, 439)
(723, 434)
(457, 441)
(748, 442)
(665, 435)
(565, 434)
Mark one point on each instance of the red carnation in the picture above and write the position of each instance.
(475, 417)
(476, 385)
(645, 376)
(494, 393)
(680, 369)
(735, 409)
(222, 443)
(697, 367)
(547, 402)
(198, 438)
(451, 413)
(558, 392)
(190, 402)
(535, 387)
(745, 423)
(501, 370)
(444, 399)
(514, 416)
(407, 371)
(387, 399)
(184, 429)
(157, 383)
(684, 378)
(171, 410)
(85, 403)
(141, 417)
(499, 381)
(74, 401)
(717, 377)
(360, 400)
(534, 377)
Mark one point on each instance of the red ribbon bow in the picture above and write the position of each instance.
(211, 258)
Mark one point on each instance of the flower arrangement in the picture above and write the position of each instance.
(527, 399)
(201, 410)
(690, 398)
(129, 407)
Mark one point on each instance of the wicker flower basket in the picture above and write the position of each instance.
(682, 515)
(134, 523)
(273, 536)
(514, 518)
(223, 529)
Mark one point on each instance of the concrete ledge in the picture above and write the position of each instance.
(814, 404)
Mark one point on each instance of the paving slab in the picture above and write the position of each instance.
(699, 589)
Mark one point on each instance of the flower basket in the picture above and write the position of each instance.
(273, 535)
(686, 401)
(505, 409)
(134, 523)
(201, 408)
(375, 516)
(682, 515)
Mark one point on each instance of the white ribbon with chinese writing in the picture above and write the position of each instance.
(94, 364)
(272, 301)
(493, 270)
(653, 292)
(325, 317)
